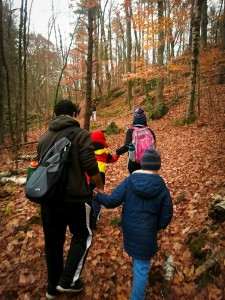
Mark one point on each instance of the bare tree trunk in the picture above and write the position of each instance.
(105, 54)
(65, 59)
(98, 87)
(25, 72)
(129, 48)
(1, 76)
(110, 47)
(19, 96)
(218, 17)
(168, 43)
(91, 11)
(190, 111)
(160, 53)
(222, 68)
(191, 23)
(153, 40)
(122, 57)
(204, 23)
(5, 70)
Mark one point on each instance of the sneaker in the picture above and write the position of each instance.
(49, 296)
(51, 293)
(76, 288)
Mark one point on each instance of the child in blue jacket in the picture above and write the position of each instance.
(147, 208)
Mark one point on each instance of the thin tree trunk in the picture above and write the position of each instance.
(122, 56)
(19, 96)
(222, 68)
(2, 89)
(25, 72)
(204, 23)
(98, 88)
(91, 11)
(129, 48)
(190, 111)
(168, 43)
(191, 23)
(160, 53)
(153, 40)
(5, 69)
(105, 54)
(110, 48)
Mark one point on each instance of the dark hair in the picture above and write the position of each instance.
(65, 107)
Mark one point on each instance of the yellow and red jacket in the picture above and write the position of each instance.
(103, 157)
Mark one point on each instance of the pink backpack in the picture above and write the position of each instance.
(142, 139)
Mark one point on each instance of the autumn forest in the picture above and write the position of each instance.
(166, 56)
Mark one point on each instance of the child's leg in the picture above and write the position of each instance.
(141, 270)
(96, 212)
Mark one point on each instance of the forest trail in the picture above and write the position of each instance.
(193, 166)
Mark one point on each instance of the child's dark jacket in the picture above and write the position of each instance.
(147, 208)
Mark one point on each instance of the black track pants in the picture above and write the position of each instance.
(77, 217)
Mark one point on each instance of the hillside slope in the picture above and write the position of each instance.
(193, 166)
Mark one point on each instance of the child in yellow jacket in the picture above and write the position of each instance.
(103, 157)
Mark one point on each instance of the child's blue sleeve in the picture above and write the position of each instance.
(166, 213)
(115, 199)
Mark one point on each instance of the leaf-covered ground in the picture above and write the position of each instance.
(193, 166)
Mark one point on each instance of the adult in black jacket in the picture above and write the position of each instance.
(73, 209)
(139, 121)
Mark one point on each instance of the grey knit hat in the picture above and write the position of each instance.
(151, 160)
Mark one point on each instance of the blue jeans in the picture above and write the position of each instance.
(141, 270)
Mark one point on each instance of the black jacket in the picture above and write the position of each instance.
(82, 156)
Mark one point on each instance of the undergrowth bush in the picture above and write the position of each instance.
(156, 113)
(105, 113)
(182, 121)
(94, 126)
(112, 128)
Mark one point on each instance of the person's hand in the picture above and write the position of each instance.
(95, 192)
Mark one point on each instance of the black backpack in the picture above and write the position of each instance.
(47, 184)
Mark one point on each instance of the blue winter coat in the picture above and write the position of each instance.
(147, 208)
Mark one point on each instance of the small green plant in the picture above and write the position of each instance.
(175, 122)
(94, 126)
(104, 114)
(8, 209)
(119, 111)
(112, 129)
(116, 222)
(182, 121)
